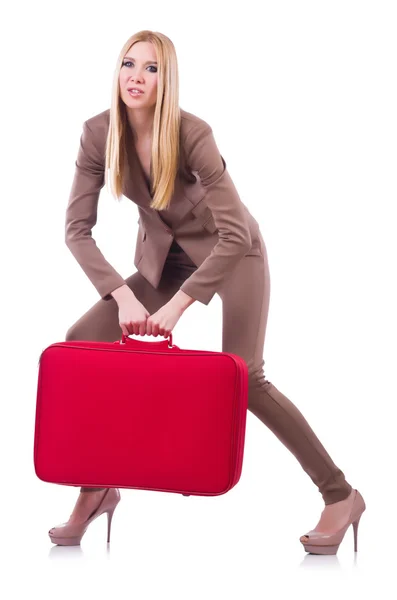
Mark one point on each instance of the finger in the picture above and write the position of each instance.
(124, 329)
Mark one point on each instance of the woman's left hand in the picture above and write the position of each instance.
(164, 320)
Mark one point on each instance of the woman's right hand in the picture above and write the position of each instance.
(132, 316)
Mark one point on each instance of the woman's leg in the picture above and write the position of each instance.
(100, 322)
(245, 299)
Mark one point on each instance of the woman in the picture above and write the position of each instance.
(196, 238)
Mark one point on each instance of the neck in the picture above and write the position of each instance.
(141, 122)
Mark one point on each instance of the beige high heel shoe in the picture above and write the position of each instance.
(328, 543)
(70, 534)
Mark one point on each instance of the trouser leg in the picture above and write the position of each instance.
(245, 300)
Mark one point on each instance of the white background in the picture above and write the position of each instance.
(302, 97)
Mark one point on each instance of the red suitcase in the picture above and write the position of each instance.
(142, 415)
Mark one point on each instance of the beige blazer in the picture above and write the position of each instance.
(209, 221)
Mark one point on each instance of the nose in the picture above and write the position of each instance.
(138, 77)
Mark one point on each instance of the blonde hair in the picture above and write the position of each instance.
(166, 123)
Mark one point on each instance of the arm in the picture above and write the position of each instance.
(81, 216)
(228, 212)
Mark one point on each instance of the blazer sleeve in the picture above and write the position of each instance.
(228, 212)
(81, 216)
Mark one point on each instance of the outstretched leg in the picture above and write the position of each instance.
(245, 300)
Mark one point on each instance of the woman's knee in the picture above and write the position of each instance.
(256, 377)
(99, 323)
(102, 332)
(72, 334)
(96, 328)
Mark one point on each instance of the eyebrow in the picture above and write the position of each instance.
(152, 62)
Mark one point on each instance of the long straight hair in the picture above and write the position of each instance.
(166, 124)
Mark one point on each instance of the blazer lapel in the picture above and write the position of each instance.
(186, 197)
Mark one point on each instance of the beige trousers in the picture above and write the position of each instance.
(245, 304)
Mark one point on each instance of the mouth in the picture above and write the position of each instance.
(135, 91)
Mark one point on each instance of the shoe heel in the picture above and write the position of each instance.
(355, 530)
(110, 516)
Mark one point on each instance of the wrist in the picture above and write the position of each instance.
(182, 300)
(122, 292)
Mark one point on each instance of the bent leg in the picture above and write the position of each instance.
(100, 322)
(245, 300)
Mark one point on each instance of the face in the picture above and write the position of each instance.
(139, 69)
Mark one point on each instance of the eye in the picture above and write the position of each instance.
(129, 62)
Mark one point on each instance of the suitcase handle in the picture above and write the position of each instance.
(167, 343)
